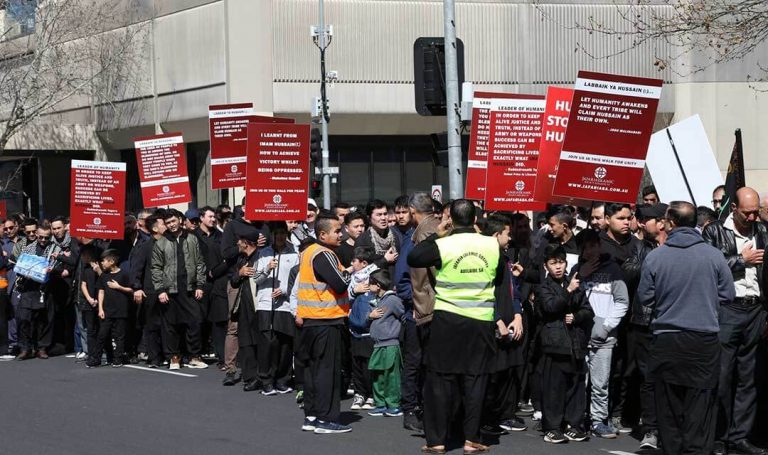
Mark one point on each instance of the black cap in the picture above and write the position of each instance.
(647, 211)
(251, 235)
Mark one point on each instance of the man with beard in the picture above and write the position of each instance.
(597, 219)
(60, 282)
(458, 356)
(742, 239)
(410, 285)
(354, 222)
(651, 220)
(230, 252)
(379, 236)
(306, 229)
(8, 337)
(214, 301)
(36, 312)
(145, 294)
(178, 275)
(275, 321)
(684, 284)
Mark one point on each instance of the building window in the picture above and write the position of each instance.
(19, 18)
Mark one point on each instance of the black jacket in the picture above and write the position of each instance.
(553, 302)
(631, 268)
(722, 238)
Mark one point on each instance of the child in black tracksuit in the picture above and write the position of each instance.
(114, 299)
(566, 319)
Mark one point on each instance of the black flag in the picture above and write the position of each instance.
(735, 177)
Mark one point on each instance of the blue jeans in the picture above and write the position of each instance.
(81, 332)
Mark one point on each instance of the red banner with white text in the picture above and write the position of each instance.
(605, 145)
(163, 174)
(278, 172)
(97, 199)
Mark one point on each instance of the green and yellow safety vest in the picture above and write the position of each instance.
(465, 282)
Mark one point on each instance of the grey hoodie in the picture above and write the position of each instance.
(385, 331)
(684, 282)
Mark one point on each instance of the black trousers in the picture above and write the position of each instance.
(443, 394)
(320, 349)
(112, 329)
(274, 356)
(638, 384)
(686, 418)
(684, 367)
(172, 334)
(740, 330)
(218, 335)
(361, 350)
(36, 327)
(564, 397)
(91, 322)
(412, 378)
(5, 311)
(151, 336)
(501, 395)
(249, 363)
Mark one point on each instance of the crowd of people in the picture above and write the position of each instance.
(594, 321)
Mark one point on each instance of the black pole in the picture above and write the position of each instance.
(680, 165)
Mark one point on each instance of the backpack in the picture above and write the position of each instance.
(358, 315)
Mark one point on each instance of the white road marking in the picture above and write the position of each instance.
(619, 452)
(158, 370)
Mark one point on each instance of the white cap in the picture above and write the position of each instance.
(311, 201)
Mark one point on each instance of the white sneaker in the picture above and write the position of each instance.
(175, 363)
(536, 415)
(197, 364)
(81, 356)
(368, 404)
(7, 357)
(357, 403)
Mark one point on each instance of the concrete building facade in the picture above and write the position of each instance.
(197, 53)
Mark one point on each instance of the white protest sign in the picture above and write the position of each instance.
(694, 156)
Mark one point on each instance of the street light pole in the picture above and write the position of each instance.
(455, 174)
(323, 43)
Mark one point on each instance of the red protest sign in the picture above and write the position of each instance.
(554, 124)
(97, 199)
(278, 172)
(228, 129)
(3, 210)
(606, 142)
(163, 171)
(513, 151)
(483, 105)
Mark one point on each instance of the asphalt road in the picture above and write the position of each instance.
(57, 406)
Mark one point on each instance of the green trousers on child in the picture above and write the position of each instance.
(385, 366)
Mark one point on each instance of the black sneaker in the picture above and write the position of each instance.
(92, 363)
(525, 409)
(117, 364)
(493, 430)
(268, 391)
(554, 437)
(230, 379)
(412, 422)
(514, 424)
(574, 434)
(322, 427)
(283, 389)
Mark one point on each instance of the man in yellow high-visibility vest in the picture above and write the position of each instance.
(460, 344)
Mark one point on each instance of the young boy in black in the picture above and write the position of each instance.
(566, 319)
(114, 295)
